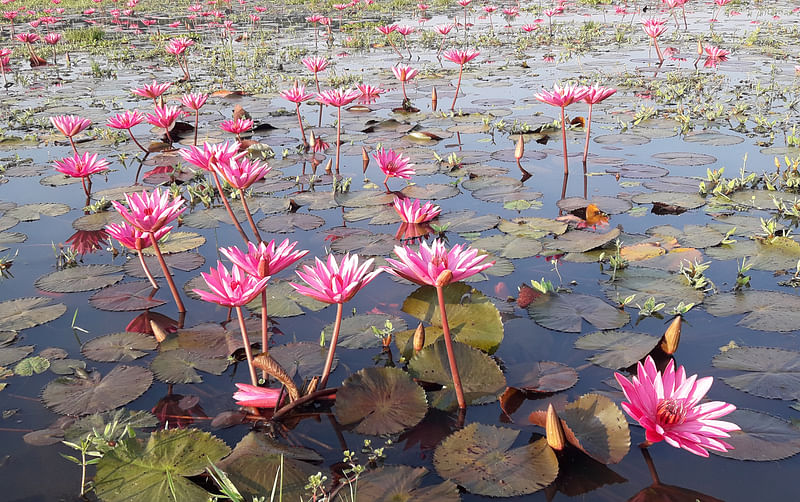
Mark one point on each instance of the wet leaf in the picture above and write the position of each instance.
(213, 217)
(608, 205)
(284, 301)
(83, 426)
(289, 222)
(533, 228)
(771, 372)
(684, 158)
(431, 191)
(82, 396)
(580, 241)
(766, 310)
(11, 238)
(542, 376)
(395, 483)
(763, 438)
(10, 355)
(211, 340)
(621, 349)
(356, 332)
(672, 261)
(644, 283)
(365, 244)
(177, 242)
(32, 212)
(185, 262)
(509, 246)
(692, 236)
(76, 279)
(301, 359)
(379, 401)
(467, 221)
(566, 312)
(481, 379)
(136, 471)
(126, 297)
(31, 365)
(638, 171)
(179, 366)
(66, 366)
(22, 313)
(96, 221)
(681, 201)
(479, 458)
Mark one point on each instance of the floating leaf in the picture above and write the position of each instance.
(380, 401)
(84, 426)
(96, 221)
(580, 241)
(472, 317)
(595, 425)
(772, 373)
(467, 221)
(768, 310)
(31, 365)
(10, 355)
(11, 238)
(431, 191)
(608, 205)
(177, 242)
(211, 340)
(677, 200)
(365, 244)
(289, 222)
(533, 228)
(301, 359)
(22, 313)
(638, 171)
(81, 396)
(692, 236)
(124, 347)
(481, 379)
(135, 471)
(509, 246)
(684, 158)
(542, 376)
(212, 217)
(567, 312)
(32, 212)
(479, 458)
(644, 283)
(179, 366)
(126, 297)
(763, 438)
(66, 366)
(76, 279)
(284, 301)
(673, 260)
(621, 349)
(185, 262)
(396, 483)
(356, 332)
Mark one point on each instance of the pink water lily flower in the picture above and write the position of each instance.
(70, 125)
(194, 100)
(152, 91)
(414, 211)
(393, 165)
(338, 97)
(125, 120)
(237, 126)
(231, 289)
(404, 72)
(563, 97)
(334, 282)
(459, 56)
(426, 265)
(257, 397)
(211, 154)
(315, 64)
(386, 29)
(296, 94)
(164, 116)
(668, 407)
(81, 166)
(264, 259)
(133, 238)
(150, 211)
(716, 53)
(241, 172)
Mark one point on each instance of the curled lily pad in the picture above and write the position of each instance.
(156, 470)
(81, 396)
(595, 425)
(76, 279)
(621, 349)
(772, 373)
(380, 401)
(542, 376)
(23, 313)
(356, 332)
(179, 366)
(480, 458)
(481, 378)
(763, 437)
(566, 312)
(126, 297)
(393, 483)
(766, 310)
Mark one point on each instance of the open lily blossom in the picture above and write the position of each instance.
(264, 259)
(335, 282)
(393, 164)
(338, 97)
(404, 72)
(70, 125)
(207, 157)
(150, 211)
(414, 211)
(669, 408)
(594, 94)
(133, 238)
(152, 91)
(562, 95)
(296, 94)
(80, 166)
(426, 265)
(257, 397)
(164, 116)
(242, 172)
(194, 100)
(125, 120)
(460, 56)
(231, 289)
(715, 52)
(236, 126)
(315, 64)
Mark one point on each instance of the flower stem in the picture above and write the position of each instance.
(147, 270)
(300, 121)
(145, 150)
(196, 124)
(332, 348)
(264, 323)
(564, 140)
(448, 343)
(458, 87)
(249, 216)
(228, 207)
(167, 275)
(338, 136)
(588, 131)
(248, 352)
(658, 50)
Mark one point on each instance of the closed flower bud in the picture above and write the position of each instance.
(158, 332)
(671, 338)
(364, 158)
(434, 99)
(419, 337)
(519, 151)
(554, 430)
(444, 278)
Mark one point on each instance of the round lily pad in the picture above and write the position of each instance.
(289, 222)
(10, 355)
(81, 396)
(609, 205)
(644, 283)
(301, 359)
(179, 366)
(580, 241)
(480, 458)
(467, 221)
(76, 279)
(22, 313)
(365, 244)
(509, 246)
(766, 310)
(763, 437)
(356, 332)
(532, 227)
(185, 262)
(284, 301)
(621, 349)
(126, 297)
(566, 312)
(177, 242)
(124, 347)
(394, 483)
(32, 212)
(640, 171)
(771, 372)
(542, 376)
(684, 158)
(96, 221)
(380, 401)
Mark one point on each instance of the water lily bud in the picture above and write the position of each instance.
(444, 278)
(419, 337)
(364, 158)
(139, 244)
(328, 166)
(554, 431)
(263, 267)
(158, 332)
(434, 99)
(520, 150)
(699, 48)
(670, 340)
(312, 140)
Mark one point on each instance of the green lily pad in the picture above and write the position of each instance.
(177, 242)
(7, 222)
(185, 262)
(580, 241)
(96, 221)
(640, 171)
(66, 366)
(772, 373)
(621, 349)
(396, 483)
(481, 378)
(595, 425)
(542, 376)
(380, 401)
(82, 396)
(679, 200)
(22, 313)
(671, 261)
(561, 312)
(84, 426)
(256, 461)
(210, 340)
(179, 366)
(365, 244)
(156, 470)
(213, 217)
(314, 201)
(31, 365)
(356, 332)
(766, 310)
(473, 319)
(692, 236)
(762, 199)
(301, 359)
(509, 246)
(123, 347)
(10, 355)
(644, 283)
(284, 301)
(763, 438)
(11, 238)
(76, 279)
(377, 215)
(467, 221)
(684, 158)
(32, 212)
(126, 297)
(289, 222)
(479, 458)
(609, 205)
(533, 228)
(431, 191)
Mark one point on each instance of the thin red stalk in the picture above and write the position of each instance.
(588, 131)
(167, 275)
(248, 352)
(264, 323)
(394, 46)
(458, 87)
(658, 50)
(564, 140)
(71, 142)
(300, 121)
(448, 343)
(403, 84)
(249, 216)
(332, 348)
(196, 124)
(338, 136)
(137, 143)
(85, 190)
(228, 207)
(147, 270)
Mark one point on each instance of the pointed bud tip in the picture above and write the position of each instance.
(672, 337)
(419, 337)
(444, 278)
(554, 430)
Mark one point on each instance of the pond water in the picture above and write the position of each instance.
(668, 128)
